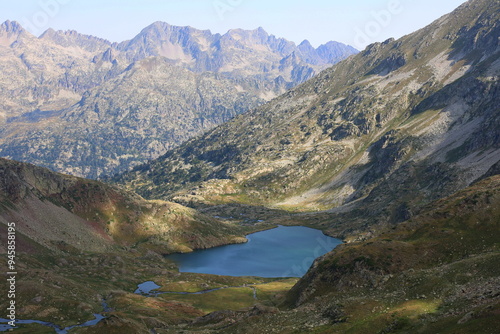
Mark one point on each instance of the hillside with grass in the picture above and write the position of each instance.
(65, 213)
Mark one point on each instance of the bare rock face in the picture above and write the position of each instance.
(10, 32)
(72, 38)
(83, 105)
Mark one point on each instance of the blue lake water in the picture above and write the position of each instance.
(280, 252)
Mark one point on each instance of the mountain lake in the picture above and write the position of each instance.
(280, 252)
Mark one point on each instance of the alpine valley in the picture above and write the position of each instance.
(395, 150)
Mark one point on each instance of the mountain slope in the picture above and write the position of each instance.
(41, 74)
(378, 135)
(140, 114)
(164, 86)
(62, 212)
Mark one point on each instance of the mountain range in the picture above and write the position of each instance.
(396, 150)
(82, 105)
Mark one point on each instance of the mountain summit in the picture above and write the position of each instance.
(9, 32)
(239, 52)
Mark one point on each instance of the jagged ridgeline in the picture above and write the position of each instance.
(402, 123)
(82, 105)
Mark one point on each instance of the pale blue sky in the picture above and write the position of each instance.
(354, 22)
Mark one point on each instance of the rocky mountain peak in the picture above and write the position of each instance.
(72, 38)
(48, 34)
(10, 32)
(309, 53)
(261, 30)
(174, 42)
(331, 51)
(325, 54)
(11, 27)
(305, 45)
(248, 37)
(163, 31)
(159, 30)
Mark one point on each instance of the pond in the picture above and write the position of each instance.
(280, 252)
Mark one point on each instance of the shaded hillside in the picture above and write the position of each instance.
(374, 138)
(82, 105)
(66, 213)
(81, 243)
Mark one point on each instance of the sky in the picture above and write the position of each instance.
(354, 22)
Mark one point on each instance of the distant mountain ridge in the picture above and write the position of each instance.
(48, 83)
(201, 51)
(73, 38)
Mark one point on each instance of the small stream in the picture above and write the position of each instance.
(147, 289)
(5, 327)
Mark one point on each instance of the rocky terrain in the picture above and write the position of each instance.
(80, 242)
(82, 105)
(370, 140)
(396, 150)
